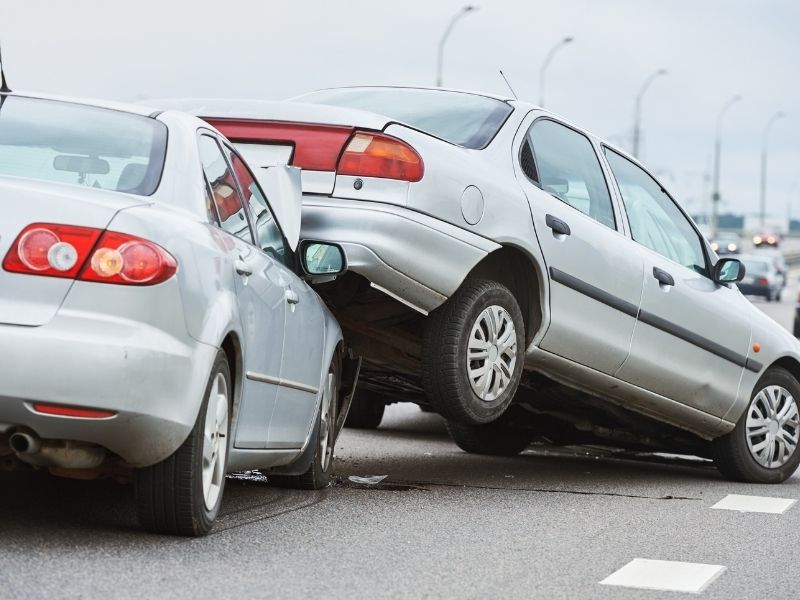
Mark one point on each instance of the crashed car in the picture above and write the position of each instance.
(524, 278)
(153, 323)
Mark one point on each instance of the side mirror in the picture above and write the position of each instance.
(728, 270)
(322, 261)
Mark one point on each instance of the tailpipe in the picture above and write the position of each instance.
(24, 443)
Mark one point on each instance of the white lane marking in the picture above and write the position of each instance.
(761, 504)
(665, 575)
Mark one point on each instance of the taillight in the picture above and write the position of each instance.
(378, 155)
(52, 250)
(72, 411)
(88, 254)
(762, 281)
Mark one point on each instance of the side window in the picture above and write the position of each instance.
(268, 234)
(227, 200)
(655, 219)
(565, 165)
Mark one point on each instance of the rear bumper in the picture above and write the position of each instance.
(754, 290)
(153, 381)
(416, 258)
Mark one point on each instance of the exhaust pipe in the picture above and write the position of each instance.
(24, 443)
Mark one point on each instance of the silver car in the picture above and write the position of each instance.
(523, 277)
(152, 322)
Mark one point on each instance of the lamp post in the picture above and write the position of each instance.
(637, 119)
(548, 58)
(767, 128)
(460, 14)
(715, 196)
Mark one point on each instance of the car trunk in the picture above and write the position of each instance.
(30, 299)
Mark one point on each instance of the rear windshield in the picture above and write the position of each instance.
(755, 266)
(81, 145)
(463, 119)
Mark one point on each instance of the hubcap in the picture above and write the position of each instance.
(492, 353)
(327, 416)
(773, 427)
(215, 441)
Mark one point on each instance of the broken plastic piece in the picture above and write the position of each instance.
(369, 480)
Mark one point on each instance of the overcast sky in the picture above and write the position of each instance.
(272, 49)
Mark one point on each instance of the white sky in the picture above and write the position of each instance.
(275, 49)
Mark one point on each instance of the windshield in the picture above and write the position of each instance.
(81, 145)
(463, 119)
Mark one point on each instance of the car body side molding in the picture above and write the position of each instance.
(654, 320)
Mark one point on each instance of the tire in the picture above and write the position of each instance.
(182, 494)
(366, 410)
(319, 473)
(732, 452)
(796, 328)
(493, 439)
(477, 305)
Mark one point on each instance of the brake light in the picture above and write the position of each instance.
(762, 281)
(88, 254)
(52, 250)
(72, 411)
(378, 155)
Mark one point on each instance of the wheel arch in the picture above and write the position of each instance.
(522, 275)
(789, 363)
(232, 347)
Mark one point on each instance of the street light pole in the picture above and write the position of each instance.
(763, 204)
(637, 119)
(439, 63)
(546, 62)
(715, 196)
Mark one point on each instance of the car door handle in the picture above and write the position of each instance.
(557, 225)
(242, 268)
(663, 277)
(291, 296)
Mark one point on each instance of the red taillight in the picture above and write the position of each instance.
(88, 254)
(72, 411)
(126, 259)
(762, 281)
(52, 250)
(378, 155)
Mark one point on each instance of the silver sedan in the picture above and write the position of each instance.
(152, 321)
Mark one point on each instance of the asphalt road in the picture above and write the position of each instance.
(551, 523)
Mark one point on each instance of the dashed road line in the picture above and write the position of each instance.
(665, 575)
(759, 504)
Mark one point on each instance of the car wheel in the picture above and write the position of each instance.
(318, 475)
(473, 353)
(763, 446)
(493, 439)
(366, 410)
(796, 329)
(182, 494)
(778, 295)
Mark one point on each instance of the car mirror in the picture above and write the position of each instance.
(81, 164)
(728, 270)
(320, 259)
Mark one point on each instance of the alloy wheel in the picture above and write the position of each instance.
(773, 427)
(215, 441)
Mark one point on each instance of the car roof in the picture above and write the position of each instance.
(413, 87)
(136, 109)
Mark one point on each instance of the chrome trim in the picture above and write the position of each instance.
(398, 298)
(295, 385)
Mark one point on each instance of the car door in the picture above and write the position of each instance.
(595, 284)
(304, 322)
(690, 342)
(259, 287)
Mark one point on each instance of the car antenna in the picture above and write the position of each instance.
(4, 89)
(513, 93)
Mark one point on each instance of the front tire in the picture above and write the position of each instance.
(763, 446)
(494, 439)
(319, 473)
(473, 353)
(182, 494)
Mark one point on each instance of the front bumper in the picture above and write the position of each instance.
(413, 257)
(153, 381)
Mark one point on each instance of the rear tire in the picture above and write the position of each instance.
(493, 439)
(182, 494)
(473, 353)
(366, 410)
(319, 473)
(744, 453)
